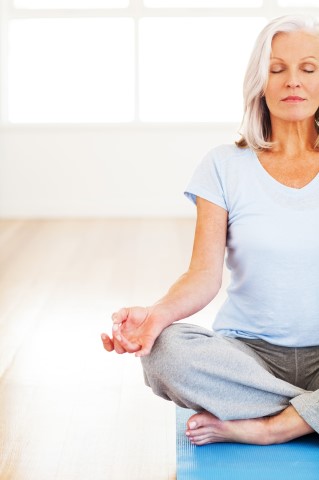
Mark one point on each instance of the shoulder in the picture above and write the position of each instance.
(226, 159)
(228, 153)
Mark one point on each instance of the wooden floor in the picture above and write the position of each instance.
(68, 409)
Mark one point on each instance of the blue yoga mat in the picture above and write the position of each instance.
(296, 460)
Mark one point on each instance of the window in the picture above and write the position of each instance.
(202, 3)
(129, 61)
(67, 4)
(189, 77)
(298, 3)
(84, 77)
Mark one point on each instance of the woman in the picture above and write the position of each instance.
(255, 377)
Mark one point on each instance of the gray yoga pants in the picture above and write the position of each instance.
(231, 378)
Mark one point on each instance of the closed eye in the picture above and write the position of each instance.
(308, 68)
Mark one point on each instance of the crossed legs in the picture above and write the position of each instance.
(232, 388)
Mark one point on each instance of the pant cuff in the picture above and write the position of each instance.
(307, 406)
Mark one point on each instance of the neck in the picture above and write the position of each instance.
(293, 138)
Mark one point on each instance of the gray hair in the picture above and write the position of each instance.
(256, 125)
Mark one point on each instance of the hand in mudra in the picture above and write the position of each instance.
(134, 330)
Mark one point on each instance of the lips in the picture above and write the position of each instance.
(293, 99)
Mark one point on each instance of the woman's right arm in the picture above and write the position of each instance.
(135, 329)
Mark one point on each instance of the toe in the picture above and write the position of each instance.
(202, 419)
(194, 421)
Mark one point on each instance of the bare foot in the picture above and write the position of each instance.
(203, 428)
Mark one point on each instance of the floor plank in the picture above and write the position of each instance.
(69, 410)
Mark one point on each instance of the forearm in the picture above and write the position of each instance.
(135, 329)
(188, 295)
(201, 283)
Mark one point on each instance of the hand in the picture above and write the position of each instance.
(134, 330)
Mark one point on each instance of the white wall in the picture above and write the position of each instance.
(57, 171)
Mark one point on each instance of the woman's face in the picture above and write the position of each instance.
(292, 91)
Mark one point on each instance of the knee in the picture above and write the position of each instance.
(171, 350)
(164, 349)
(165, 363)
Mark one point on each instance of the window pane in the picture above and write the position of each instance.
(194, 71)
(298, 3)
(201, 3)
(44, 4)
(71, 70)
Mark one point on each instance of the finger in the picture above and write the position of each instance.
(120, 316)
(118, 348)
(146, 347)
(117, 344)
(111, 344)
(107, 342)
(129, 346)
(116, 329)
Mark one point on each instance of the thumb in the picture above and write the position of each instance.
(147, 346)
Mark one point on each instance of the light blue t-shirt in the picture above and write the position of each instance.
(272, 248)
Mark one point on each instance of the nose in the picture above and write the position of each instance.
(293, 81)
(293, 84)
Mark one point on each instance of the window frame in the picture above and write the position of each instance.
(136, 10)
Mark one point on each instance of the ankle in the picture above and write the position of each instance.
(287, 425)
(265, 434)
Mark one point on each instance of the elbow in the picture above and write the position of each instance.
(214, 285)
(216, 288)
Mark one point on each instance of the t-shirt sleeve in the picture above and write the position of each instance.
(206, 182)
